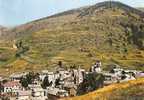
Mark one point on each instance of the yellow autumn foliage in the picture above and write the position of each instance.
(106, 92)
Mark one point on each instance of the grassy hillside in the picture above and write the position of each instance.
(132, 90)
(112, 33)
(142, 9)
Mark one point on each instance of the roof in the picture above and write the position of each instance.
(12, 84)
(70, 85)
(1, 78)
(34, 86)
(109, 74)
(54, 91)
(140, 75)
(44, 71)
(63, 72)
(24, 93)
(18, 75)
(38, 89)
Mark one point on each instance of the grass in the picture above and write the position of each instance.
(80, 41)
(72, 56)
(131, 90)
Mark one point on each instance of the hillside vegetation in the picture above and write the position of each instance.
(141, 8)
(132, 90)
(112, 33)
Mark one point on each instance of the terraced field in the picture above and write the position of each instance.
(113, 34)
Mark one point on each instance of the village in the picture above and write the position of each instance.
(61, 83)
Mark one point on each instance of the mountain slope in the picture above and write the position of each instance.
(125, 91)
(141, 8)
(112, 32)
(1, 29)
(72, 15)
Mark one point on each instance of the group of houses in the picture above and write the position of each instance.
(58, 84)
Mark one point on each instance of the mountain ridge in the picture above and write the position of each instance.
(79, 11)
(106, 4)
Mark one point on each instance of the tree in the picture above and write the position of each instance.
(112, 71)
(123, 75)
(125, 52)
(21, 48)
(45, 83)
(4, 81)
(60, 64)
(92, 81)
(4, 98)
(30, 77)
(1, 88)
(110, 40)
(19, 44)
(24, 82)
(57, 82)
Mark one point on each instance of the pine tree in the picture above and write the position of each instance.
(45, 83)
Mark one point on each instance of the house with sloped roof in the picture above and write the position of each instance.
(17, 76)
(23, 95)
(38, 92)
(96, 67)
(110, 78)
(56, 93)
(12, 87)
(1, 78)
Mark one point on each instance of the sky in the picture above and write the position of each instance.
(16, 12)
